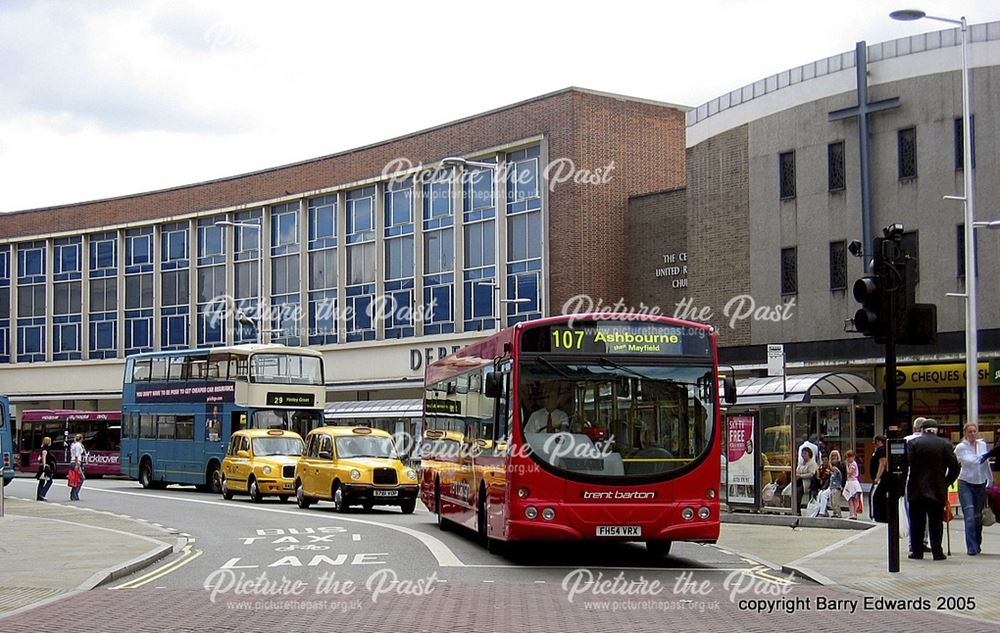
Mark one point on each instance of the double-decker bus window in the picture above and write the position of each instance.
(158, 368)
(185, 427)
(166, 427)
(300, 421)
(147, 427)
(141, 370)
(175, 367)
(286, 369)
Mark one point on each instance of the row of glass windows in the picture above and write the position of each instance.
(906, 160)
(205, 251)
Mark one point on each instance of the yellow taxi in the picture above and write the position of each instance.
(354, 466)
(261, 462)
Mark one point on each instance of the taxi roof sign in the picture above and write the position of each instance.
(362, 430)
(275, 432)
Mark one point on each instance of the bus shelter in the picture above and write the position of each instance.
(774, 415)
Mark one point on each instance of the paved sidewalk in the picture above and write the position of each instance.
(51, 549)
(857, 560)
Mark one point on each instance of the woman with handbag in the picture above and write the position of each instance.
(75, 476)
(972, 482)
(46, 469)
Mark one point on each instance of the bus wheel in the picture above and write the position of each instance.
(339, 503)
(658, 549)
(254, 491)
(227, 494)
(300, 497)
(146, 474)
(493, 546)
(213, 480)
(408, 506)
(442, 522)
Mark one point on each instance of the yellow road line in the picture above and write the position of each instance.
(187, 556)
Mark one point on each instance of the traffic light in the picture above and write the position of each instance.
(872, 318)
(871, 291)
(889, 293)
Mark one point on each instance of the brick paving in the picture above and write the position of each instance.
(457, 606)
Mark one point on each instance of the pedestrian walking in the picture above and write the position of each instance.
(46, 469)
(932, 468)
(972, 481)
(75, 477)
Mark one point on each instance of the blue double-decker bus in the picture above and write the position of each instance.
(6, 441)
(180, 407)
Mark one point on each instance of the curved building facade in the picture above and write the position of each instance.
(757, 241)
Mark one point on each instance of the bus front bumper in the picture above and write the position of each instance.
(699, 531)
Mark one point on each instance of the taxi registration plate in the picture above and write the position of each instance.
(619, 530)
(384, 493)
(288, 486)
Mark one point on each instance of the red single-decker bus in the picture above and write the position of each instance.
(581, 427)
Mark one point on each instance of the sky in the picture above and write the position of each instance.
(107, 98)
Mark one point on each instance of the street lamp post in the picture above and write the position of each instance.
(257, 226)
(971, 328)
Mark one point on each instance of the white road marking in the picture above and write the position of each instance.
(444, 555)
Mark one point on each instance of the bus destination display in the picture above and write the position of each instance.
(616, 337)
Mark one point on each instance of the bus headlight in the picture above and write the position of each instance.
(710, 493)
(411, 474)
(704, 513)
(531, 512)
(522, 493)
(355, 473)
(266, 470)
(548, 514)
(687, 514)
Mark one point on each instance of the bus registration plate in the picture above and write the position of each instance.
(619, 530)
(384, 493)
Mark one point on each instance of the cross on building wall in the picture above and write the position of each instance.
(862, 111)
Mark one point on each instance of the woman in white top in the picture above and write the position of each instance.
(76, 456)
(972, 482)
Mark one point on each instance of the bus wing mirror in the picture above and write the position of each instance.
(494, 384)
(729, 389)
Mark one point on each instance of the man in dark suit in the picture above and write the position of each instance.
(933, 467)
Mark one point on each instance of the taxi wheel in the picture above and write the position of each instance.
(254, 491)
(339, 503)
(408, 506)
(227, 494)
(658, 549)
(300, 497)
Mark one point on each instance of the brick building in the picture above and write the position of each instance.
(83, 285)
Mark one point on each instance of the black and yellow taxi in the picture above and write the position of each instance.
(354, 466)
(261, 462)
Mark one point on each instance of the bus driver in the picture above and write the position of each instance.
(550, 418)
